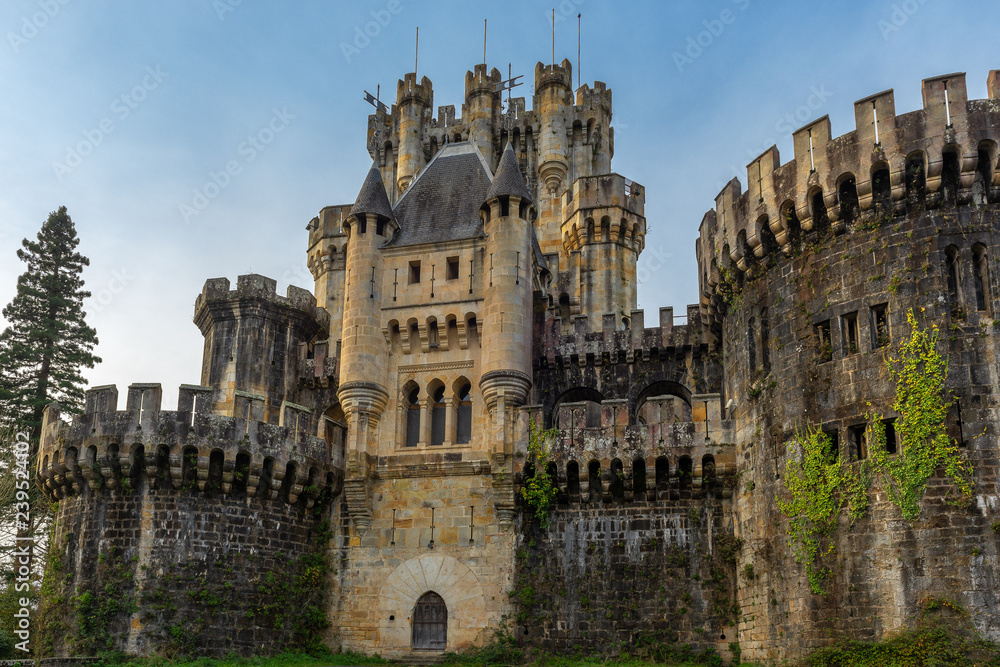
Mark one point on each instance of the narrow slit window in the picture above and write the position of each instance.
(849, 329)
(858, 442)
(833, 444)
(980, 274)
(880, 325)
(824, 343)
(891, 441)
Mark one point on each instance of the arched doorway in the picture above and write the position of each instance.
(430, 623)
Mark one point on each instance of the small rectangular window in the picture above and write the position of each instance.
(858, 441)
(891, 443)
(415, 271)
(824, 344)
(880, 325)
(453, 268)
(849, 330)
(834, 437)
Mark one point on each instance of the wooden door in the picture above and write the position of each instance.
(430, 623)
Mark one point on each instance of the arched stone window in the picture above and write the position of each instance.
(685, 471)
(438, 417)
(413, 417)
(464, 422)
(847, 193)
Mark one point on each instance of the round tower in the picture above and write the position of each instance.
(326, 260)
(604, 220)
(506, 363)
(482, 107)
(553, 97)
(174, 525)
(363, 354)
(413, 100)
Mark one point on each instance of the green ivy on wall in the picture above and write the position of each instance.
(815, 478)
(539, 490)
(819, 484)
(924, 446)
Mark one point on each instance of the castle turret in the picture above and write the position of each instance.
(413, 101)
(327, 261)
(253, 340)
(605, 223)
(506, 360)
(482, 107)
(363, 366)
(553, 96)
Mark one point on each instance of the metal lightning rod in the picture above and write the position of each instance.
(579, 39)
(416, 52)
(484, 41)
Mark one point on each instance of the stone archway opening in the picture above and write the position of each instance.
(430, 623)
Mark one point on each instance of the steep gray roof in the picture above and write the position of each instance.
(372, 198)
(508, 180)
(442, 203)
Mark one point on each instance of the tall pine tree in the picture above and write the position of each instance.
(47, 342)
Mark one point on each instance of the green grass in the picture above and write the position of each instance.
(283, 660)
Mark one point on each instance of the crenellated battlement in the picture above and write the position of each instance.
(598, 97)
(560, 76)
(408, 91)
(604, 209)
(587, 345)
(261, 288)
(186, 449)
(327, 240)
(602, 458)
(944, 154)
(478, 82)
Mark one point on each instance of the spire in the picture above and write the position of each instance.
(508, 180)
(372, 198)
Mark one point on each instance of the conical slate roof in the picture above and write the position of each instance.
(372, 198)
(508, 180)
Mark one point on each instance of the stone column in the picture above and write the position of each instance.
(450, 414)
(425, 422)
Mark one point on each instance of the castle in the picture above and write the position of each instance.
(349, 465)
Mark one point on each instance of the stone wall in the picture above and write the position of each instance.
(883, 566)
(154, 571)
(628, 576)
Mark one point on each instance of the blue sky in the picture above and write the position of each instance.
(162, 95)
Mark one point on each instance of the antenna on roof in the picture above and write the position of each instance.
(553, 38)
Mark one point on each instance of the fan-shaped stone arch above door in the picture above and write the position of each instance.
(449, 578)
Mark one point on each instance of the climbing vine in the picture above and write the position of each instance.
(919, 373)
(815, 478)
(539, 490)
(820, 484)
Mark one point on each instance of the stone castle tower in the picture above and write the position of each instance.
(366, 443)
